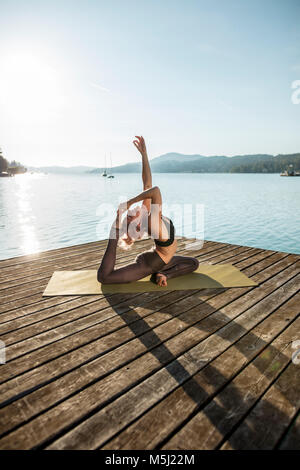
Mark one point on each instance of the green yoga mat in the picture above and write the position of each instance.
(206, 276)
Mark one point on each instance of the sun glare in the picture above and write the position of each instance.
(29, 87)
(25, 216)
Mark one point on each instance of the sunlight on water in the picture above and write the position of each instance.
(41, 212)
(25, 217)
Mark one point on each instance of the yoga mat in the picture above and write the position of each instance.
(206, 276)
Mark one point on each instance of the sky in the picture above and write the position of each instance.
(80, 78)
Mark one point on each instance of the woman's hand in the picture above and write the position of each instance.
(140, 144)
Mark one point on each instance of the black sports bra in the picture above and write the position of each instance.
(172, 235)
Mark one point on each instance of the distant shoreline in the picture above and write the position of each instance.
(199, 164)
(97, 174)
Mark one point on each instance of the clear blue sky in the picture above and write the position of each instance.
(79, 78)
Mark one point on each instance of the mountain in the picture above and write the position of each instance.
(61, 169)
(180, 163)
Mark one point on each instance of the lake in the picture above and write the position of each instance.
(40, 212)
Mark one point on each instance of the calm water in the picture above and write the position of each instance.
(40, 212)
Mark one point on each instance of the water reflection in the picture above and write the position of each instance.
(26, 218)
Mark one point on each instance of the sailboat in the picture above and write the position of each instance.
(104, 173)
(110, 175)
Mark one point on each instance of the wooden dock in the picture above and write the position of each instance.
(201, 369)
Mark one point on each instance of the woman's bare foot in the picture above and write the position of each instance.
(161, 280)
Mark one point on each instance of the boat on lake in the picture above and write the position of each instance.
(110, 174)
(290, 172)
(104, 172)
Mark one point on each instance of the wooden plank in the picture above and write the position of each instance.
(35, 302)
(206, 430)
(21, 322)
(49, 345)
(40, 356)
(95, 430)
(273, 413)
(41, 303)
(203, 255)
(76, 251)
(83, 263)
(39, 270)
(101, 344)
(247, 254)
(90, 259)
(16, 296)
(172, 412)
(67, 250)
(292, 437)
(11, 368)
(32, 264)
(112, 385)
(17, 292)
(20, 319)
(22, 262)
(88, 352)
(23, 296)
(12, 272)
(42, 255)
(31, 272)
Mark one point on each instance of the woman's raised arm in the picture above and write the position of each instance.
(153, 194)
(146, 171)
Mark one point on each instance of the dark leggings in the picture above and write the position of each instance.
(145, 264)
(178, 266)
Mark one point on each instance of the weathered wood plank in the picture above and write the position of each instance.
(27, 289)
(7, 271)
(88, 352)
(60, 416)
(87, 260)
(31, 304)
(271, 415)
(39, 319)
(11, 368)
(108, 421)
(75, 363)
(24, 296)
(15, 262)
(34, 303)
(206, 430)
(175, 409)
(65, 251)
(206, 255)
(39, 310)
(292, 438)
(85, 251)
(33, 271)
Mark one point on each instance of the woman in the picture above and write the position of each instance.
(161, 261)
